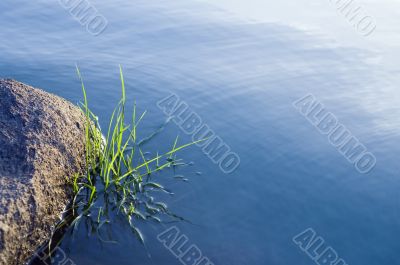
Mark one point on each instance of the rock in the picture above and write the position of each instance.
(41, 144)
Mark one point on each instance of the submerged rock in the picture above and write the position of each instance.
(41, 144)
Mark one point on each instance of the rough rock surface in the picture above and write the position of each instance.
(41, 143)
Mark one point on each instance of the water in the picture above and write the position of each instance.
(241, 78)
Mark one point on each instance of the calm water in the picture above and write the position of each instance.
(241, 79)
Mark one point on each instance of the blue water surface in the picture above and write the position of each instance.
(241, 78)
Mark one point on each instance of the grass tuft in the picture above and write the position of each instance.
(117, 172)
